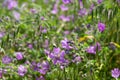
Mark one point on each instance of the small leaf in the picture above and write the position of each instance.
(116, 44)
(85, 38)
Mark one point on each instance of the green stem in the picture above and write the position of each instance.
(116, 78)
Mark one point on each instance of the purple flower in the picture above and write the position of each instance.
(76, 59)
(2, 34)
(98, 46)
(40, 78)
(6, 60)
(55, 53)
(92, 7)
(60, 61)
(66, 1)
(56, 50)
(63, 7)
(47, 52)
(43, 71)
(22, 70)
(64, 18)
(66, 32)
(42, 18)
(34, 66)
(16, 15)
(19, 55)
(65, 44)
(57, 57)
(101, 27)
(44, 30)
(10, 4)
(54, 10)
(100, 1)
(33, 10)
(115, 73)
(82, 12)
(41, 67)
(44, 67)
(30, 46)
(91, 50)
(81, 4)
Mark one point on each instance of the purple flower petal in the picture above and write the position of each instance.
(2, 34)
(19, 55)
(10, 4)
(115, 73)
(16, 15)
(22, 70)
(6, 60)
(82, 12)
(100, 1)
(63, 7)
(64, 18)
(101, 27)
(91, 50)
(66, 1)
(81, 4)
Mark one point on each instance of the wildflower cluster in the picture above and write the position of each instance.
(59, 39)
